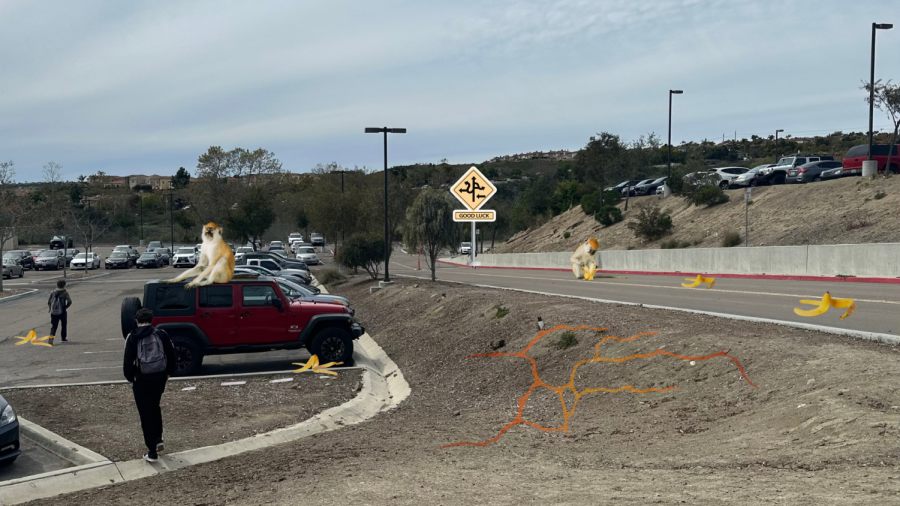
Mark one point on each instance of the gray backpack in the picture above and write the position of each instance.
(151, 356)
(56, 307)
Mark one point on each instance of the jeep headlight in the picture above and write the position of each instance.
(8, 416)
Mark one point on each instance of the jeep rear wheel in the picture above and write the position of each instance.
(188, 356)
(332, 345)
(130, 307)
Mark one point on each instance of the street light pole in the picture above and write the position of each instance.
(875, 26)
(387, 238)
(171, 218)
(669, 156)
(142, 219)
(776, 144)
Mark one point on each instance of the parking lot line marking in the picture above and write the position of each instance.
(89, 368)
(111, 351)
(233, 383)
(114, 339)
(185, 389)
(281, 380)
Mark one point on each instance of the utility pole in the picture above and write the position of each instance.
(875, 26)
(387, 238)
(171, 218)
(669, 156)
(142, 219)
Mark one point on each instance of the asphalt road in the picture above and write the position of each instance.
(94, 352)
(33, 460)
(878, 305)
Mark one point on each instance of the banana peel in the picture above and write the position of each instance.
(826, 303)
(313, 364)
(699, 279)
(32, 338)
(589, 272)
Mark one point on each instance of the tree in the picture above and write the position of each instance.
(13, 208)
(363, 250)
(429, 225)
(7, 173)
(600, 159)
(302, 221)
(253, 215)
(187, 223)
(887, 99)
(87, 223)
(400, 196)
(181, 179)
(52, 172)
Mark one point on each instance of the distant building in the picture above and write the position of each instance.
(563, 154)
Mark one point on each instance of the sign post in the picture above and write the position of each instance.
(473, 190)
(747, 194)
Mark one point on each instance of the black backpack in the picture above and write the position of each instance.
(56, 304)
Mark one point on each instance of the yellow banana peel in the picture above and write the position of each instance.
(699, 279)
(826, 303)
(589, 272)
(32, 338)
(313, 364)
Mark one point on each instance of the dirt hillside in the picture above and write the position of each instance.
(843, 211)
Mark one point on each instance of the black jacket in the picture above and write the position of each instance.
(130, 367)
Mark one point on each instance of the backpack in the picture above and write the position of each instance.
(56, 305)
(151, 356)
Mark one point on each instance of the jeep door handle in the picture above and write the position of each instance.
(206, 315)
(248, 313)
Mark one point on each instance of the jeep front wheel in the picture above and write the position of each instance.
(332, 345)
(188, 356)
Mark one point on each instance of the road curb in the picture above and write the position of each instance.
(58, 445)
(17, 296)
(868, 336)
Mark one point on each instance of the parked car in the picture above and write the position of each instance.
(165, 255)
(86, 261)
(809, 172)
(832, 174)
(465, 248)
(300, 292)
(288, 263)
(751, 177)
(148, 260)
(69, 254)
(777, 174)
(24, 257)
(621, 186)
(153, 245)
(9, 433)
(255, 270)
(279, 270)
(34, 254)
(59, 242)
(294, 236)
(728, 174)
(650, 188)
(127, 249)
(239, 254)
(118, 260)
(631, 190)
(852, 163)
(308, 255)
(12, 267)
(185, 256)
(316, 239)
(244, 315)
(50, 259)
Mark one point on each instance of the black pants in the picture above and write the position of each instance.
(147, 395)
(56, 319)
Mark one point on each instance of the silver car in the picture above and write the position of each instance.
(12, 267)
(749, 178)
(50, 259)
(308, 255)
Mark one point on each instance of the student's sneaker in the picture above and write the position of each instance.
(51, 340)
(64, 340)
(160, 447)
(151, 457)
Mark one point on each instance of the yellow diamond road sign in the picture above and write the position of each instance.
(473, 189)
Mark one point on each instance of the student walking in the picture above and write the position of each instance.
(58, 304)
(149, 361)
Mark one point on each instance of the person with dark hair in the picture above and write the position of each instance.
(149, 361)
(58, 304)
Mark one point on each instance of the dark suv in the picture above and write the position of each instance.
(22, 256)
(59, 242)
(247, 314)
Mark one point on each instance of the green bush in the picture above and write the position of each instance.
(651, 223)
(880, 195)
(731, 239)
(501, 311)
(676, 183)
(331, 277)
(566, 235)
(693, 183)
(710, 196)
(567, 340)
(366, 251)
(611, 197)
(608, 215)
(674, 244)
(590, 203)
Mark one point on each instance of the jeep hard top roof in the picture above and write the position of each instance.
(236, 280)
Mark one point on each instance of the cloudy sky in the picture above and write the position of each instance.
(145, 87)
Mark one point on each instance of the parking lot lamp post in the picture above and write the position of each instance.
(669, 156)
(776, 144)
(875, 26)
(91, 241)
(171, 220)
(142, 219)
(387, 238)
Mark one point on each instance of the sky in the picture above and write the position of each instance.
(146, 87)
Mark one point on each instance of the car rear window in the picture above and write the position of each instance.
(215, 296)
(306, 250)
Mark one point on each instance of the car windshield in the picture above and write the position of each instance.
(306, 250)
(118, 254)
(11, 254)
(121, 248)
(244, 249)
(154, 244)
(466, 245)
(49, 253)
(186, 251)
(261, 270)
(81, 255)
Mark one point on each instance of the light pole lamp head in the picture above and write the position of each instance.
(676, 92)
(779, 130)
(373, 130)
(882, 26)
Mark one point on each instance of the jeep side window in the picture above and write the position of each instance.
(215, 296)
(172, 297)
(258, 296)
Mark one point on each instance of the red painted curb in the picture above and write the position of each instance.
(783, 277)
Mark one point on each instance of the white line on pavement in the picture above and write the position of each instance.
(281, 380)
(233, 383)
(88, 368)
(112, 351)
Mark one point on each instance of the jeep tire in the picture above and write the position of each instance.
(188, 355)
(130, 307)
(332, 344)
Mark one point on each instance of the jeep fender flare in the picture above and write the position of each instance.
(188, 329)
(316, 323)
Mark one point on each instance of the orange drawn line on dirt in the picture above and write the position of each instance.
(538, 382)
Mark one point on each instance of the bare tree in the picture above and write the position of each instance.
(887, 99)
(14, 208)
(7, 173)
(52, 172)
(88, 223)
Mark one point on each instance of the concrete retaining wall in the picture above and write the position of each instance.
(862, 260)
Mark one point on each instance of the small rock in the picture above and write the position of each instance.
(693, 362)
(801, 406)
(416, 285)
(357, 386)
(811, 382)
(456, 413)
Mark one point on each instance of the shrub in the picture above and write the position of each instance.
(731, 239)
(651, 224)
(567, 340)
(608, 215)
(880, 195)
(611, 197)
(674, 244)
(331, 277)
(501, 311)
(693, 183)
(675, 183)
(366, 251)
(566, 235)
(710, 196)
(590, 203)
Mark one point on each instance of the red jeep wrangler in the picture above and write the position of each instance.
(248, 314)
